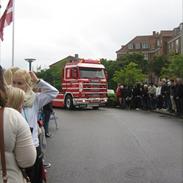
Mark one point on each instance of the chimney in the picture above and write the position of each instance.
(76, 56)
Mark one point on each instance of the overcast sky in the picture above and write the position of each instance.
(50, 30)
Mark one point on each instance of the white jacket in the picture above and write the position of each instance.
(158, 91)
(19, 148)
(31, 113)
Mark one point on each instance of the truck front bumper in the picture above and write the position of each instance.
(89, 101)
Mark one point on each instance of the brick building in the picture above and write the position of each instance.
(149, 45)
(175, 44)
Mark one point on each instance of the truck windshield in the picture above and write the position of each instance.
(91, 73)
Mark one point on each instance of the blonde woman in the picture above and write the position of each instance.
(33, 102)
(19, 147)
(15, 98)
(8, 74)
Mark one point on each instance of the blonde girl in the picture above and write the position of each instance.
(15, 98)
(33, 102)
(19, 148)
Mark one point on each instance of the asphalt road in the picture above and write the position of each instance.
(115, 146)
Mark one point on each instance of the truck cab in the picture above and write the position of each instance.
(84, 84)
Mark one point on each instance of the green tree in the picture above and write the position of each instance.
(52, 76)
(175, 67)
(137, 58)
(157, 63)
(110, 66)
(130, 75)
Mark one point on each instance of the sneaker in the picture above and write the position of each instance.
(46, 164)
(48, 135)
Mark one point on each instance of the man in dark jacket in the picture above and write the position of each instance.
(178, 96)
(47, 110)
(165, 92)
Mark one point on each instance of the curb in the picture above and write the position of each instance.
(167, 113)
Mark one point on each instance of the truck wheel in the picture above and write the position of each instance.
(69, 102)
(96, 107)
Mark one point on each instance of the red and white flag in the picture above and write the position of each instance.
(6, 18)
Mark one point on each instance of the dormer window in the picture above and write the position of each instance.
(130, 46)
(137, 46)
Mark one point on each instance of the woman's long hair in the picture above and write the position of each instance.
(3, 94)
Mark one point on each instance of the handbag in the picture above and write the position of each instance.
(3, 160)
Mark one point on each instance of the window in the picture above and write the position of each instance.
(177, 46)
(74, 73)
(93, 73)
(68, 73)
(145, 45)
(130, 46)
(170, 46)
(137, 46)
(145, 56)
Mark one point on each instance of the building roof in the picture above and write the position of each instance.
(69, 58)
(150, 39)
(144, 38)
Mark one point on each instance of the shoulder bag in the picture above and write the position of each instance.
(3, 161)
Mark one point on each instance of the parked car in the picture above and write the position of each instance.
(112, 98)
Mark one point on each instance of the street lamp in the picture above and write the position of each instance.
(30, 60)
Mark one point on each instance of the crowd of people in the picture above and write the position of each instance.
(22, 96)
(166, 94)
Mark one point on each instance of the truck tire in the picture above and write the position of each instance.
(69, 102)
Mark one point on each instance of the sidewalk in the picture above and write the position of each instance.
(164, 111)
(160, 111)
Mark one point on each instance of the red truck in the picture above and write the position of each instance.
(83, 84)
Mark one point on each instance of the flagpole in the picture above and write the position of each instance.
(0, 41)
(13, 34)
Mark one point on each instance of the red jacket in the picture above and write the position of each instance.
(118, 91)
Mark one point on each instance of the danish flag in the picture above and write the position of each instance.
(6, 18)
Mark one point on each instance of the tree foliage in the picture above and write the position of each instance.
(130, 75)
(137, 58)
(157, 63)
(111, 67)
(175, 67)
(52, 76)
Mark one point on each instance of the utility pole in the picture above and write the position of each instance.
(30, 60)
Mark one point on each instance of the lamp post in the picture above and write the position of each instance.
(30, 60)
